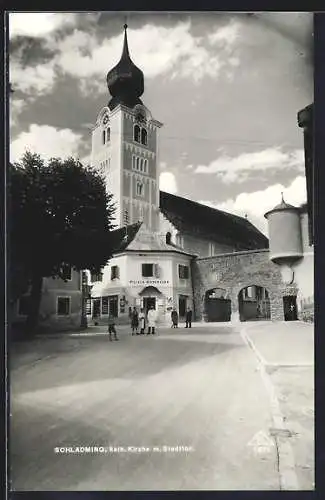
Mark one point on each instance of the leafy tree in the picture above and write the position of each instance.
(59, 214)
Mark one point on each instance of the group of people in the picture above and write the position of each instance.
(139, 321)
(188, 318)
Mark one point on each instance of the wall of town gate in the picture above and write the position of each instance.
(233, 272)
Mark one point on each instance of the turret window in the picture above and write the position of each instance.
(108, 134)
(144, 136)
(136, 133)
(104, 136)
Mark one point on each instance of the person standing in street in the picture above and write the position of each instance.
(188, 318)
(135, 321)
(142, 321)
(111, 328)
(174, 317)
(152, 318)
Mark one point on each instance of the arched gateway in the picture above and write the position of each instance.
(235, 273)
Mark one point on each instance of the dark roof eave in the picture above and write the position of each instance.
(128, 250)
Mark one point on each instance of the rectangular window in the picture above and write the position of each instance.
(133, 162)
(63, 306)
(183, 272)
(96, 277)
(137, 163)
(146, 166)
(141, 164)
(147, 270)
(115, 272)
(66, 272)
(23, 305)
(105, 304)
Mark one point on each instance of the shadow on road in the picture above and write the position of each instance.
(89, 359)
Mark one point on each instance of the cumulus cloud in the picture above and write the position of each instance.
(157, 50)
(33, 80)
(167, 182)
(47, 141)
(15, 108)
(227, 35)
(237, 169)
(37, 24)
(256, 204)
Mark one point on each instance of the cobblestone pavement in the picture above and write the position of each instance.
(196, 389)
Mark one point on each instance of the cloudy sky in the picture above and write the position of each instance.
(227, 88)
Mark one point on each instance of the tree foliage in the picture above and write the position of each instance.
(60, 214)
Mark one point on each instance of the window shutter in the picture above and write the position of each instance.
(117, 272)
(157, 271)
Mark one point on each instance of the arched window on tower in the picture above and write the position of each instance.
(144, 136)
(139, 188)
(104, 136)
(168, 238)
(108, 134)
(136, 133)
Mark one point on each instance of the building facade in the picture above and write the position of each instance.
(171, 252)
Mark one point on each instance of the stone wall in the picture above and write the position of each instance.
(233, 272)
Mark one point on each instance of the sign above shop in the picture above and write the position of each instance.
(148, 282)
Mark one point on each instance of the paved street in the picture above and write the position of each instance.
(287, 351)
(198, 389)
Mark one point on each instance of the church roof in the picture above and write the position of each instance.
(123, 236)
(136, 238)
(189, 216)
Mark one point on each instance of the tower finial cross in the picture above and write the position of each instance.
(282, 196)
(125, 22)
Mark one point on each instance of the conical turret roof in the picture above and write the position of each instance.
(281, 206)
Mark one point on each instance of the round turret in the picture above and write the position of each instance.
(284, 233)
(125, 81)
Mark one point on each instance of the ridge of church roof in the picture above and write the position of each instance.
(190, 216)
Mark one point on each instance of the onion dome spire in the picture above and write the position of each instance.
(125, 81)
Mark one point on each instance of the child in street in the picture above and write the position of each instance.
(135, 321)
(111, 328)
(142, 320)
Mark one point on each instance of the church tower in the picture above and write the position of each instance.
(125, 146)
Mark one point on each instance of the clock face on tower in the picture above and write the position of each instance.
(105, 119)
